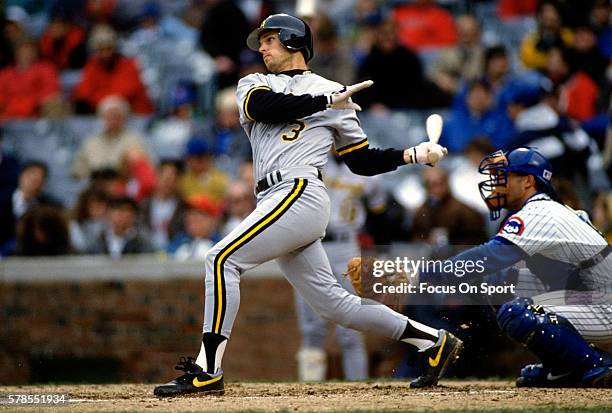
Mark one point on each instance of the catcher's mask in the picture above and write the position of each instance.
(521, 161)
(494, 189)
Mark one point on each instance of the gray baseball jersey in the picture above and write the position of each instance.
(304, 142)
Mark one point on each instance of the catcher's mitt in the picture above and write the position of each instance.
(359, 272)
(353, 272)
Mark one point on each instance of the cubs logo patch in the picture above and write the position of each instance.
(513, 226)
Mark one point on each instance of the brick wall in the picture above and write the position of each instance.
(143, 325)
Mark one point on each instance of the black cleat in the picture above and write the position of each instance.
(195, 380)
(437, 359)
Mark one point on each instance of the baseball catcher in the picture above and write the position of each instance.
(567, 324)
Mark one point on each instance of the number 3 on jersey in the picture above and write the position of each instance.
(294, 134)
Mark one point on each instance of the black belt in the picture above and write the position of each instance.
(595, 259)
(273, 178)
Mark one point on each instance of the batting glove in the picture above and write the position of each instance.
(342, 98)
(426, 153)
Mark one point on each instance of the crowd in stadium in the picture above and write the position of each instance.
(504, 73)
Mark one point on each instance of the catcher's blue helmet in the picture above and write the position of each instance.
(522, 161)
(293, 33)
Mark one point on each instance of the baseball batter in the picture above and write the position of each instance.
(351, 196)
(563, 325)
(292, 117)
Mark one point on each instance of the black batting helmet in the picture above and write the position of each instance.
(293, 33)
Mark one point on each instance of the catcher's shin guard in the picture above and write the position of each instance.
(549, 336)
(195, 380)
(438, 358)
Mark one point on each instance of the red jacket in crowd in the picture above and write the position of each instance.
(61, 54)
(23, 91)
(579, 97)
(422, 26)
(122, 79)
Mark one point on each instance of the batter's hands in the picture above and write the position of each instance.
(427, 153)
(342, 99)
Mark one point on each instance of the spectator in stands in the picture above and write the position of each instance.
(332, 59)
(578, 91)
(250, 62)
(6, 46)
(108, 181)
(602, 214)
(600, 21)
(245, 173)
(15, 26)
(442, 220)
(512, 9)
(28, 85)
(170, 134)
(137, 173)
(201, 176)
(9, 176)
(63, 43)
(108, 73)
(201, 220)
(99, 11)
(550, 33)
(422, 24)
(463, 62)
(89, 218)
(480, 119)
(498, 74)
(465, 177)
(239, 203)
(154, 26)
(30, 190)
(397, 74)
(566, 192)
(222, 44)
(162, 213)
(43, 230)
(230, 138)
(107, 149)
(368, 17)
(537, 124)
(123, 236)
(607, 148)
(588, 57)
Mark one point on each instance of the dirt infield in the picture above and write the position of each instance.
(383, 395)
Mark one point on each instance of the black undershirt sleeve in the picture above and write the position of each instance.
(370, 161)
(263, 105)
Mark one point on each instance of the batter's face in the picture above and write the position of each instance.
(275, 56)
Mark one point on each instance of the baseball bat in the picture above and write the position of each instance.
(433, 125)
